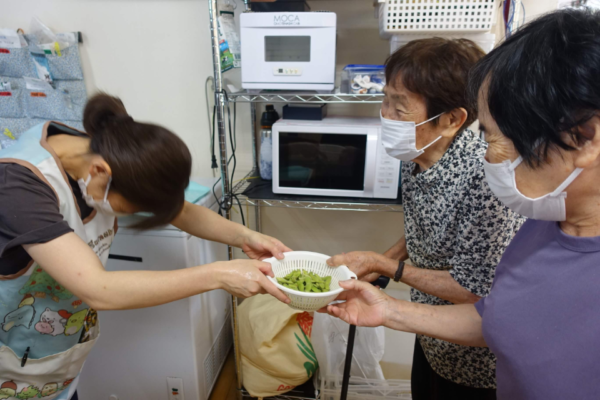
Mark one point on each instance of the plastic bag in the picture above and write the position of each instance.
(228, 31)
(330, 340)
(277, 354)
(46, 41)
(9, 39)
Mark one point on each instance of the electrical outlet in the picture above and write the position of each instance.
(175, 388)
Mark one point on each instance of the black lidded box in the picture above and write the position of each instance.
(279, 6)
(306, 112)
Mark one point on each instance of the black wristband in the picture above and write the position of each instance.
(383, 281)
(398, 274)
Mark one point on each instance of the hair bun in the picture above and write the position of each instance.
(121, 118)
(103, 110)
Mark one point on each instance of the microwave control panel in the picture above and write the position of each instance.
(387, 174)
(287, 71)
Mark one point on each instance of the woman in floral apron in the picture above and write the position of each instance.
(60, 191)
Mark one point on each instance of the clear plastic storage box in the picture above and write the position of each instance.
(363, 79)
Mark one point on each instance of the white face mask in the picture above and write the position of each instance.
(550, 207)
(104, 206)
(400, 138)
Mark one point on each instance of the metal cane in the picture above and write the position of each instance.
(382, 282)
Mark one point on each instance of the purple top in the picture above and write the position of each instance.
(542, 317)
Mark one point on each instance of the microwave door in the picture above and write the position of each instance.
(326, 164)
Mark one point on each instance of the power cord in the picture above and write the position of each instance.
(227, 205)
(214, 166)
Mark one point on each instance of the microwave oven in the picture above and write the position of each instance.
(339, 157)
(288, 51)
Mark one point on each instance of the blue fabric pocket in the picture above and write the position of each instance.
(11, 104)
(77, 98)
(65, 103)
(16, 63)
(67, 66)
(15, 127)
(11, 101)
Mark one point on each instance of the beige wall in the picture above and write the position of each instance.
(155, 55)
(534, 8)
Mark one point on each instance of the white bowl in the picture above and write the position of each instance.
(310, 262)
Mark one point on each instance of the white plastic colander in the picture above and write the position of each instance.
(309, 262)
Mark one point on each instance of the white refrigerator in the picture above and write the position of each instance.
(173, 351)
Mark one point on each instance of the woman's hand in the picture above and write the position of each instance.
(259, 247)
(363, 263)
(204, 223)
(365, 304)
(246, 278)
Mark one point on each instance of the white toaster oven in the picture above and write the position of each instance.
(288, 51)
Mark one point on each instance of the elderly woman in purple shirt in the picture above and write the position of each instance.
(538, 96)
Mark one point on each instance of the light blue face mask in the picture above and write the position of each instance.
(103, 206)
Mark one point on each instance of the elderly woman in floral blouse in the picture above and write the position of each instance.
(455, 228)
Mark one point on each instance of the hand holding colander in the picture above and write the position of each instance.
(309, 262)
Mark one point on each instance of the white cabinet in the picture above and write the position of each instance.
(139, 349)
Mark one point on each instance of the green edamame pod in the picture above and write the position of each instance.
(306, 281)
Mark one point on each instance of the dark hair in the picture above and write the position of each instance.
(543, 81)
(151, 166)
(436, 69)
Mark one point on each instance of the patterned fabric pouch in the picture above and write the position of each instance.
(11, 97)
(67, 66)
(16, 63)
(11, 129)
(64, 103)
